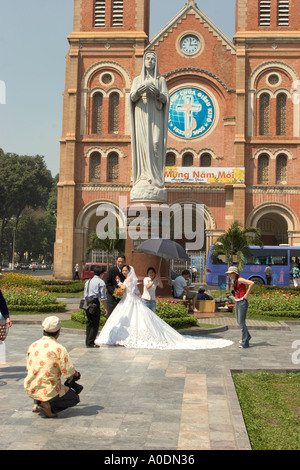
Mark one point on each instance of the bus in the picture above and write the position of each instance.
(280, 258)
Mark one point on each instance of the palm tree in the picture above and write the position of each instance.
(235, 242)
(109, 245)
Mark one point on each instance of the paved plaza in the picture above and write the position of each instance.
(142, 399)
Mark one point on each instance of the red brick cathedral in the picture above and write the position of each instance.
(234, 121)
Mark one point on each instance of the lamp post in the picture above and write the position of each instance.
(13, 249)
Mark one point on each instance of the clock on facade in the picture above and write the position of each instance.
(190, 44)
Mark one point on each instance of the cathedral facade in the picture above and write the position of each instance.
(234, 121)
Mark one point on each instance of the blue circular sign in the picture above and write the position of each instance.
(191, 113)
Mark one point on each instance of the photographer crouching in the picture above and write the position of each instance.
(48, 362)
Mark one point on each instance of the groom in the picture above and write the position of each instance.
(111, 283)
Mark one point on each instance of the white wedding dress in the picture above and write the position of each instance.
(133, 325)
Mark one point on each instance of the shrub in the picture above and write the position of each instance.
(80, 317)
(181, 322)
(170, 309)
(64, 286)
(280, 301)
(57, 307)
(175, 314)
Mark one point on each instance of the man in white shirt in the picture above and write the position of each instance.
(181, 289)
(95, 288)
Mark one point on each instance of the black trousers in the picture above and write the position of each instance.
(92, 325)
(111, 303)
(71, 398)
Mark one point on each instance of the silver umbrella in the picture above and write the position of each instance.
(167, 249)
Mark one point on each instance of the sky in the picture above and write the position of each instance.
(33, 46)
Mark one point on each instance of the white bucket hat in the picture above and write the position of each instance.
(51, 324)
(232, 269)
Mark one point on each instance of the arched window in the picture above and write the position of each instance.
(281, 114)
(95, 165)
(170, 159)
(205, 159)
(264, 114)
(113, 167)
(114, 100)
(97, 113)
(263, 169)
(187, 159)
(281, 169)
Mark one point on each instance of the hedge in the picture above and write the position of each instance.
(175, 322)
(59, 306)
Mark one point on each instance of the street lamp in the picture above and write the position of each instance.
(13, 249)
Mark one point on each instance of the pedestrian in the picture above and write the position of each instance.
(268, 273)
(112, 284)
(181, 290)
(295, 275)
(202, 295)
(5, 323)
(151, 282)
(47, 363)
(4, 310)
(76, 272)
(95, 289)
(241, 293)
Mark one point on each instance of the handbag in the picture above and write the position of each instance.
(88, 303)
(3, 328)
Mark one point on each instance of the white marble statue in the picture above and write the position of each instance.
(149, 113)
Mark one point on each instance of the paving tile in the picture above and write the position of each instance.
(139, 399)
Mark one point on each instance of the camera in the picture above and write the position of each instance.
(71, 383)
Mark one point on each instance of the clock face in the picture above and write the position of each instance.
(190, 44)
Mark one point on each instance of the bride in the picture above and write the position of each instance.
(133, 325)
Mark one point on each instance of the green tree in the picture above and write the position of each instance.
(24, 181)
(110, 245)
(235, 243)
(35, 235)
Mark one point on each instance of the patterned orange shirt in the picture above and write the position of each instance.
(47, 362)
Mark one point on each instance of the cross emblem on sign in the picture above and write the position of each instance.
(189, 108)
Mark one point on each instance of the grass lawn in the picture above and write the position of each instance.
(271, 408)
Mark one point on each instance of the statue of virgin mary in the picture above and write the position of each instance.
(149, 112)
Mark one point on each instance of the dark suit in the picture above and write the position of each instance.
(111, 285)
(3, 306)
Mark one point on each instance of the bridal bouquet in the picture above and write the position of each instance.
(118, 293)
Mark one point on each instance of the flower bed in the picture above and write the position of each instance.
(23, 298)
(14, 279)
(276, 302)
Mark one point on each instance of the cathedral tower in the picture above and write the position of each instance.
(267, 43)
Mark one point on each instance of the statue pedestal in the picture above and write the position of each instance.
(141, 261)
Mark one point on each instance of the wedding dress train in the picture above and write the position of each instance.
(133, 325)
